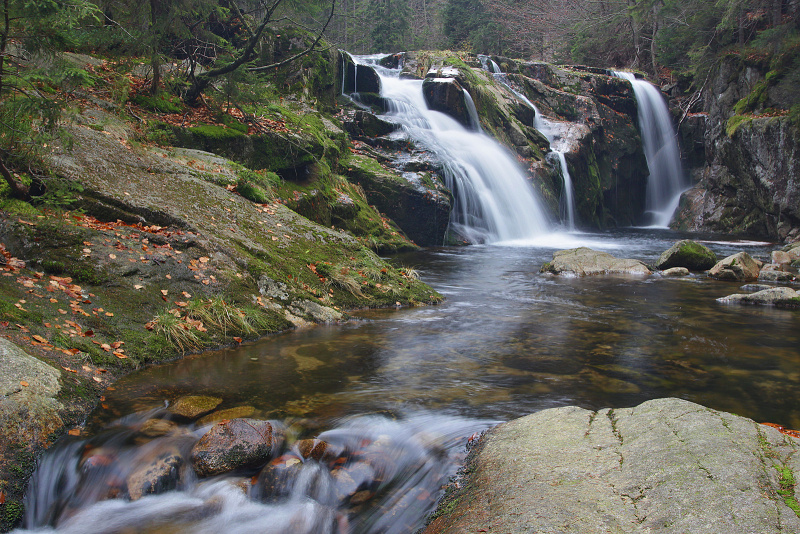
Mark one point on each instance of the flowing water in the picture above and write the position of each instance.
(555, 132)
(372, 417)
(398, 394)
(493, 200)
(666, 181)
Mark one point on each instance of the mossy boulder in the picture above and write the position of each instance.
(689, 254)
(357, 78)
(421, 208)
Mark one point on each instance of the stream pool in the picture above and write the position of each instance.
(409, 388)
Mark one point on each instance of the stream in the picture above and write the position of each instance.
(399, 393)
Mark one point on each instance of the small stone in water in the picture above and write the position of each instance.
(193, 406)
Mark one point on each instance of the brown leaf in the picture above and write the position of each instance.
(164, 292)
(74, 432)
(40, 339)
(237, 339)
(23, 383)
(97, 379)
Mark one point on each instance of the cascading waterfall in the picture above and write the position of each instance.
(493, 201)
(666, 181)
(549, 130)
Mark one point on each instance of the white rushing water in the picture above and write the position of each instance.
(666, 181)
(550, 130)
(493, 201)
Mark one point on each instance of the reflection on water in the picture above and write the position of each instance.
(507, 341)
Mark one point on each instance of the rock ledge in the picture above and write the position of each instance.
(665, 466)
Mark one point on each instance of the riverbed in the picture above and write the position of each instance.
(507, 341)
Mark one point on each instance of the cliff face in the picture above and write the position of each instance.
(750, 182)
(592, 114)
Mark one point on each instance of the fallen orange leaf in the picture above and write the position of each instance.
(23, 383)
(74, 432)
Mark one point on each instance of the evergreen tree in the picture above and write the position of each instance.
(390, 25)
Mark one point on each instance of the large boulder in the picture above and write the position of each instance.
(233, 444)
(584, 261)
(447, 95)
(765, 297)
(688, 254)
(416, 201)
(739, 267)
(667, 466)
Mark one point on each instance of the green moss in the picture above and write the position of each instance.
(18, 207)
(215, 132)
(735, 122)
(787, 484)
(162, 103)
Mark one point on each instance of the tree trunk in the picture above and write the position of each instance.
(637, 38)
(18, 189)
(653, 45)
(155, 60)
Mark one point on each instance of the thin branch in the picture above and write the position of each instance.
(304, 52)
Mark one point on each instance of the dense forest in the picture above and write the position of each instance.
(191, 43)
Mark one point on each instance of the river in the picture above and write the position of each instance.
(418, 383)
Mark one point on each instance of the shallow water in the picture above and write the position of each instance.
(507, 341)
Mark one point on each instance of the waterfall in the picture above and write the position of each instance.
(493, 201)
(547, 128)
(666, 181)
(474, 120)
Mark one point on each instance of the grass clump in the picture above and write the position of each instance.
(787, 483)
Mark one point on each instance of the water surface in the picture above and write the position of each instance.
(507, 341)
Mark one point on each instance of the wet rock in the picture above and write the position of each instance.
(317, 312)
(233, 444)
(351, 480)
(156, 475)
(782, 258)
(278, 477)
(667, 465)
(193, 406)
(155, 428)
(739, 267)
(765, 297)
(689, 254)
(754, 287)
(584, 261)
(773, 273)
(421, 208)
(230, 413)
(29, 411)
(358, 78)
(316, 449)
(447, 95)
(363, 125)
(676, 271)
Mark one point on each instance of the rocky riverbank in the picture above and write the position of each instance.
(667, 465)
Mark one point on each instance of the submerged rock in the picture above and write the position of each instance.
(667, 465)
(676, 271)
(739, 267)
(230, 413)
(233, 444)
(584, 261)
(193, 406)
(688, 254)
(764, 297)
(157, 475)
